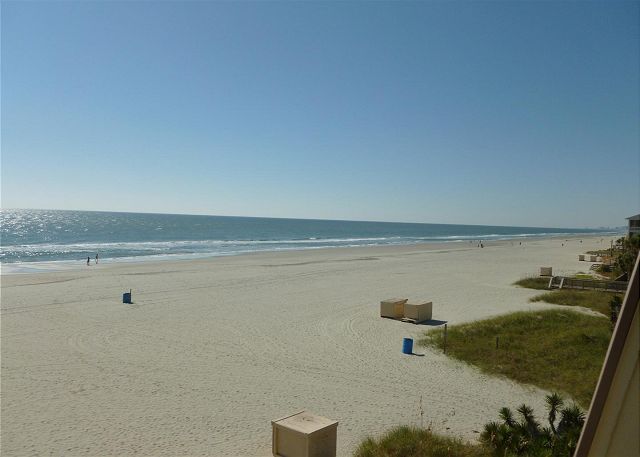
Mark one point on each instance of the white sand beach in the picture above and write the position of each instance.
(212, 350)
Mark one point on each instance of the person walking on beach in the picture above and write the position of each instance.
(88, 261)
(96, 258)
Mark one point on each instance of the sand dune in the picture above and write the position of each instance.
(212, 350)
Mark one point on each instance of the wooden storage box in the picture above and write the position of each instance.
(418, 312)
(304, 435)
(392, 307)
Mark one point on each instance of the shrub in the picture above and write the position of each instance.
(629, 247)
(525, 436)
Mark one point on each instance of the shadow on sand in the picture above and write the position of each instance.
(432, 322)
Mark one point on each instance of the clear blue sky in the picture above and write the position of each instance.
(499, 113)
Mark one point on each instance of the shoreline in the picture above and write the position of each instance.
(212, 350)
(43, 267)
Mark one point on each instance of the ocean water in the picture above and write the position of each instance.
(28, 237)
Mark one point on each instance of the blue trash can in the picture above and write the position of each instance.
(407, 346)
(126, 297)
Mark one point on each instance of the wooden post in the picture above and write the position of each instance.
(445, 338)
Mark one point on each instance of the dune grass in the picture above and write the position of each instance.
(533, 283)
(597, 300)
(583, 276)
(554, 349)
(414, 442)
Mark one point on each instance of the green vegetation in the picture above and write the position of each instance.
(533, 283)
(597, 300)
(606, 271)
(511, 437)
(600, 252)
(628, 248)
(615, 306)
(553, 349)
(525, 437)
(622, 256)
(414, 442)
(583, 276)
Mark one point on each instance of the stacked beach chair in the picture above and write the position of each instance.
(401, 309)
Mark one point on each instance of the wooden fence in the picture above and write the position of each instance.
(562, 282)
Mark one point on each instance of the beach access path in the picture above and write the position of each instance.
(212, 350)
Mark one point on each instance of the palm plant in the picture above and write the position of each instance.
(527, 438)
(571, 422)
(554, 403)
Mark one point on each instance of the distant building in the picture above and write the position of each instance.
(634, 224)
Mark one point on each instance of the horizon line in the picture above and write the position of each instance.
(316, 219)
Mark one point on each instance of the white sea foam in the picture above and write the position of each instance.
(213, 247)
(52, 236)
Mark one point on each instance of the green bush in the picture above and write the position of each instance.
(525, 436)
(629, 247)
